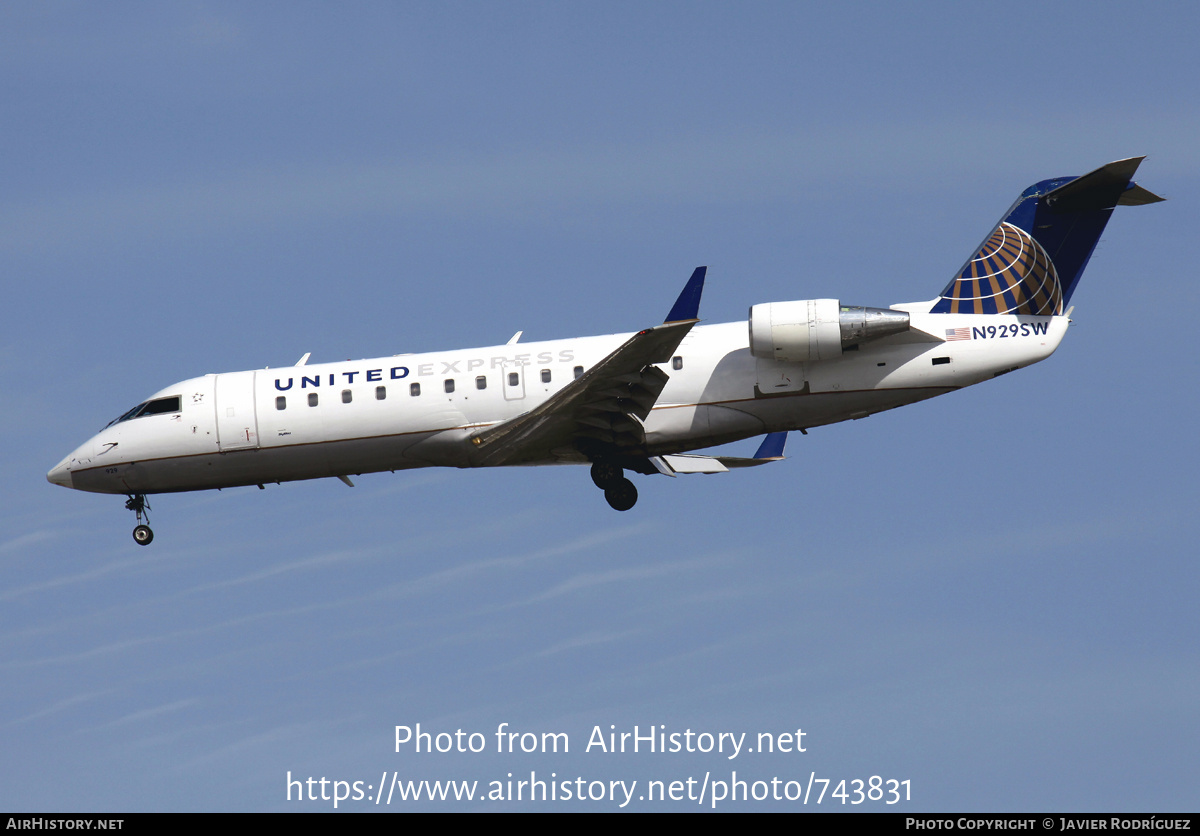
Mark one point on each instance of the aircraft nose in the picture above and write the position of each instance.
(60, 474)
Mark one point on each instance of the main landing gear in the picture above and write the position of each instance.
(142, 535)
(619, 492)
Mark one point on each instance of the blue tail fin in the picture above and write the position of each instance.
(1032, 260)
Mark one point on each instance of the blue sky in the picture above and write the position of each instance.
(990, 594)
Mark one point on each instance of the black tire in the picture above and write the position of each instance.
(621, 495)
(606, 474)
(142, 535)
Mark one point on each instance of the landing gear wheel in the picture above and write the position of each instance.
(142, 535)
(606, 474)
(621, 495)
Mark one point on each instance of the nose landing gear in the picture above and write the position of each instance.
(142, 535)
(619, 492)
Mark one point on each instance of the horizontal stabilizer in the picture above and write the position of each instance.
(1095, 191)
(1137, 195)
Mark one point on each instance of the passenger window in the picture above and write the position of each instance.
(545, 375)
(677, 363)
(347, 396)
(414, 389)
(514, 379)
(481, 382)
(578, 372)
(281, 402)
(449, 385)
(312, 398)
(380, 393)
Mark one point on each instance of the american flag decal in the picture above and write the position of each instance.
(958, 334)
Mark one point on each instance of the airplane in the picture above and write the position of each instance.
(638, 402)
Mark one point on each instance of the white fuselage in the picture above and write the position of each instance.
(418, 410)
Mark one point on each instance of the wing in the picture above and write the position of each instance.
(771, 450)
(600, 413)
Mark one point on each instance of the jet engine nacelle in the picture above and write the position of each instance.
(817, 329)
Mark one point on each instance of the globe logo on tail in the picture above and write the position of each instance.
(1010, 274)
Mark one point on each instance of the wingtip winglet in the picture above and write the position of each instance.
(772, 446)
(687, 306)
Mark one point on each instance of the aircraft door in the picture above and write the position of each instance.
(237, 417)
(514, 381)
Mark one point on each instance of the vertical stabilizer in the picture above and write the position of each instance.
(1032, 260)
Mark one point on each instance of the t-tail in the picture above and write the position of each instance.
(1032, 261)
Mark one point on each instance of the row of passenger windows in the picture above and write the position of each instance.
(414, 389)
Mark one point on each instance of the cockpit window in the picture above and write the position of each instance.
(158, 406)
